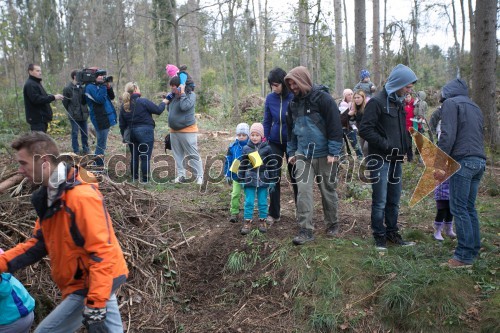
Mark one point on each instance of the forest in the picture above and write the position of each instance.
(229, 46)
(190, 270)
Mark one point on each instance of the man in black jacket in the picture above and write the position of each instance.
(383, 127)
(37, 101)
(462, 139)
(78, 113)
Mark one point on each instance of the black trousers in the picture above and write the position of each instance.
(39, 127)
(274, 203)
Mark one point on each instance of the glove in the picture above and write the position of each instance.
(94, 320)
(229, 180)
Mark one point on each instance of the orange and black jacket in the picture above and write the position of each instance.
(77, 234)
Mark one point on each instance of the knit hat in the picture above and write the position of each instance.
(242, 128)
(257, 128)
(171, 70)
(347, 92)
(364, 74)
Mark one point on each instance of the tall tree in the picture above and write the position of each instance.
(232, 6)
(193, 37)
(350, 75)
(163, 13)
(339, 64)
(376, 43)
(303, 14)
(359, 36)
(484, 68)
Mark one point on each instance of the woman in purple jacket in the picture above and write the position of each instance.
(275, 132)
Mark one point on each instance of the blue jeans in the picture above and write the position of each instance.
(79, 127)
(353, 139)
(463, 192)
(142, 138)
(67, 316)
(102, 139)
(250, 202)
(386, 193)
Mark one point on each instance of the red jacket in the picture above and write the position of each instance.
(409, 108)
(77, 234)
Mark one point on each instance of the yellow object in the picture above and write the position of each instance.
(255, 159)
(235, 166)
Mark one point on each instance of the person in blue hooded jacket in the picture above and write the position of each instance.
(99, 95)
(234, 152)
(16, 305)
(275, 131)
(384, 128)
(462, 139)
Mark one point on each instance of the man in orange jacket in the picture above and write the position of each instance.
(74, 229)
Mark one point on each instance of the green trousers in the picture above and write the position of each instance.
(316, 171)
(235, 198)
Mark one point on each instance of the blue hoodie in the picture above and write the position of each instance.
(461, 122)
(400, 77)
(234, 151)
(15, 301)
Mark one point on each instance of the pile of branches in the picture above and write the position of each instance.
(147, 235)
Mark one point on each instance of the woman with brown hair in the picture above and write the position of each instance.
(357, 109)
(136, 117)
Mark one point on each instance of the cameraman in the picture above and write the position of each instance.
(76, 105)
(102, 112)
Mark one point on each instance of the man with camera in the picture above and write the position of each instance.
(76, 105)
(99, 94)
(37, 101)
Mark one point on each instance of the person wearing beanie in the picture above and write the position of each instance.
(365, 84)
(183, 75)
(171, 70)
(384, 128)
(257, 174)
(275, 131)
(462, 139)
(314, 146)
(234, 153)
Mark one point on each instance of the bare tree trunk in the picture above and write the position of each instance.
(455, 36)
(376, 43)
(261, 44)
(471, 25)
(385, 70)
(248, 43)
(359, 36)
(415, 24)
(339, 64)
(484, 67)
(315, 50)
(347, 51)
(303, 32)
(193, 37)
(232, 40)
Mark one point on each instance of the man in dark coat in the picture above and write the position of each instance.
(37, 101)
(78, 113)
(383, 127)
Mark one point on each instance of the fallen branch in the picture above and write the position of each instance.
(9, 182)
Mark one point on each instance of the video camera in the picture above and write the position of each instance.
(89, 75)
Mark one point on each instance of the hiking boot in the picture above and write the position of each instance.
(271, 220)
(455, 264)
(262, 225)
(332, 230)
(380, 243)
(247, 227)
(233, 218)
(395, 238)
(304, 236)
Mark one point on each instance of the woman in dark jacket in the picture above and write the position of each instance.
(275, 131)
(136, 115)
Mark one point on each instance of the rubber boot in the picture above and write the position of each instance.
(448, 229)
(438, 227)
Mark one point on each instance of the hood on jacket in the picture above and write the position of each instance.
(456, 87)
(302, 78)
(421, 95)
(400, 77)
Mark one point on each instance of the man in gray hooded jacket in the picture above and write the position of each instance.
(383, 127)
(462, 139)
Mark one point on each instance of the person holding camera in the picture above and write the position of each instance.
(99, 95)
(76, 105)
(136, 115)
(37, 101)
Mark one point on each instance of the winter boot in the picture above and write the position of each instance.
(438, 227)
(247, 227)
(233, 218)
(448, 229)
(262, 225)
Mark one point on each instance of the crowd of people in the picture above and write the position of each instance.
(303, 127)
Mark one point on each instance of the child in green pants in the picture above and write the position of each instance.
(231, 165)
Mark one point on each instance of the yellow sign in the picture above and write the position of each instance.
(255, 159)
(235, 166)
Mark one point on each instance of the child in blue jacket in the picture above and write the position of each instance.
(16, 305)
(234, 152)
